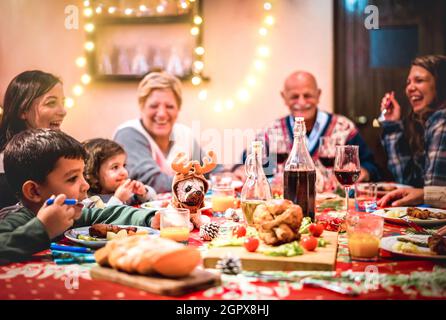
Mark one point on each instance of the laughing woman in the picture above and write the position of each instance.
(416, 145)
(33, 100)
(152, 141)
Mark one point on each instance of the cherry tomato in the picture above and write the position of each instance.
(316, 229)
(239, 231)
(251, 244)
(309, 243)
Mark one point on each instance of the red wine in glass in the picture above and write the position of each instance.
(347, 177)
(328, 162)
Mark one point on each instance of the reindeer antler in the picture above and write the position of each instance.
(178, 164)
(209, 163)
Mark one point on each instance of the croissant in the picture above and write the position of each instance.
(145, 255)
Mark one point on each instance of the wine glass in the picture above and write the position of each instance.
(347, 167)
(326, 155)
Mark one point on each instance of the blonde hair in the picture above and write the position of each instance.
(159, 80)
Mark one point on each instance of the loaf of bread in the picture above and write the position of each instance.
(145, 255)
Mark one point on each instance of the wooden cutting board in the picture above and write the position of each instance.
(197, 280)
(321, 259)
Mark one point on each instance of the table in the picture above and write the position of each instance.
(45, 280)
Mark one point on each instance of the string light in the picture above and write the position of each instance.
(203, 95)
(243, 95)
(128, 11)
(85, 79)
(198, 66)
(198, 20)
(81, 62)
(86, 3)
(98, 10)
(199, 51)
(89, 46)
(160, 8)
(88, 12)
(259, 65)
(194, 31)
(112, 10)
(142, 8)
(69, 102)
(263, 31)
(267, 6)
(269, 20)
(251, 81)
(78, 90)
(89, 27)
(263, 51)
(196, 80)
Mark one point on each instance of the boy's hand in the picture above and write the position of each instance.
(125, 190)
(139, 189)
(58, 217)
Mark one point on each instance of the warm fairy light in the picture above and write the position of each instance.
(128, 11)
(85, 79)
(88, 12)
(229, 104)
(194, 31)
(86, 3)
(81, 62)
(269, 20)
(199, 51)
(267, 6)
(203, 95)
(78, 90)
(112, 10)
(160, 8)
(198, 20)
(198, 66)
(196, 80)
(89, 46)
(142, 8)
(69, 103)
(251, 81)
(184, 5)
(259, 65)
(89, 27)
(218, 106)
(243, 95)
(263, 31)
(263, 51)
(99, 10)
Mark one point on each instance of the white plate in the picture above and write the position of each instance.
(72, 235)
(388, 242)
(430, 222)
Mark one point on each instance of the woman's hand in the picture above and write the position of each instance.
(403, 197)
(392, 106)
(125, 190)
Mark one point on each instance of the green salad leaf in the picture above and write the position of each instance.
(285, 250)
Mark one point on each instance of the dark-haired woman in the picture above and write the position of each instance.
(416, 145)
(33, 99)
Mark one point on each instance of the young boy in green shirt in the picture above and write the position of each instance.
(41, 164)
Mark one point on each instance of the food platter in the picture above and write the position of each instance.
(396, 215)
(73, 235)
(391, 244)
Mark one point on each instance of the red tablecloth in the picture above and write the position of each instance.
(45, 280)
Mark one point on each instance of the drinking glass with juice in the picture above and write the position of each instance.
(174, 224)
(364, 235)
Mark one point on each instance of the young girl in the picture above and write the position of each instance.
(108, 178)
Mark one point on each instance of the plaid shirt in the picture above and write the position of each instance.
(428, 169)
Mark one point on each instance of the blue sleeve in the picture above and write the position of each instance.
(366, 157)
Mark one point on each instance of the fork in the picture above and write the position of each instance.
(414, 225)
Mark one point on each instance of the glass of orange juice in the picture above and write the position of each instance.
(364, 232)
(174, 224)
(223, 198)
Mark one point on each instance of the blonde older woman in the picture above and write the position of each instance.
(152, 141)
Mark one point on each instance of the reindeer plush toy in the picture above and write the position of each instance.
(189, 184)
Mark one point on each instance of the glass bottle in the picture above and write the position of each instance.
(300, 173)
(256, 189)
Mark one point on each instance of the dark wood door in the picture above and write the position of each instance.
(371, 62)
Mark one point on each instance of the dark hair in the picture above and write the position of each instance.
(32, 155)
(414, 124)
(98, 150)
(20, 95)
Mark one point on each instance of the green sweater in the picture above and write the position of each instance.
(22, 234)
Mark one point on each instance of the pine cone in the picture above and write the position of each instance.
(230, 265)
(209, 231)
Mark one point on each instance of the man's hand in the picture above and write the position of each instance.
(364, 175)
(403, 197)
(58, 217)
